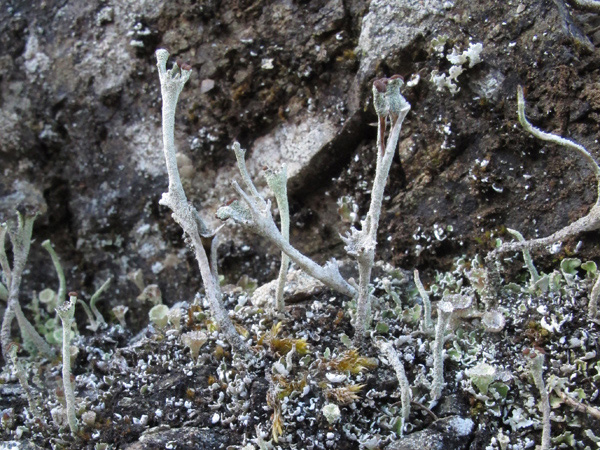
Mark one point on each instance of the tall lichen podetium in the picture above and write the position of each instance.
(66, 312)
(195, 231)
(444, 310)
(20, 238)
(427, 324)
(405, 392)
(60, 273)
(277, 181)
(536, 367)
(361, 243)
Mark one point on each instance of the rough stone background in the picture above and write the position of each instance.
(80, 123)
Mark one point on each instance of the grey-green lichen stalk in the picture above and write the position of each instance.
(254, 214)
(427, 323)
(444, 309)
(277, 181)
(20, 237)
(405, 393)
(66, 312)
(171, 83)
(589, 222)
(62, 285)
(361, 243)
(536, 367)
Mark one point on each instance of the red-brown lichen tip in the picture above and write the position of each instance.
(395, 77)
(229, 202)
(183, 65)
(380, 85)
(72, 294)
(12, 345)
(526, 351)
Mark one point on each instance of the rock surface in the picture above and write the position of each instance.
(290, 81)
(449, 433)
(185, 438)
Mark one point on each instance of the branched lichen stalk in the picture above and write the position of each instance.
(277, 181)
(172, 82)
(66, 312)
(589, 222)
(21, 242)
(240, 156)
(253, 217)
(94, 325)
(62, 285)
(361, 244)
(94, 299)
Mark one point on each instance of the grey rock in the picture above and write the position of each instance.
(389, 27)
(449, 433)
(187, 438)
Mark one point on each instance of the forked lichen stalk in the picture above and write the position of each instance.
(172, 82)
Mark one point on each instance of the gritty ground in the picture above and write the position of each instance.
(148, 392)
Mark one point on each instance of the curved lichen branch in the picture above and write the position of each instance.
(62, 285)
(20, 237)
(554, 138)
(240, 156)
(253, 216)
(171, 84)
(405, 392)
(587, 223)
(587, 5)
